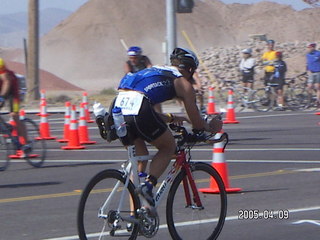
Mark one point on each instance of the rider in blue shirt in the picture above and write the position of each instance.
(313, 67)
(139, 92)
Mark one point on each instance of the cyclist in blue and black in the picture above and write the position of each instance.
(139, 92)
(313, 67)
(280, 69)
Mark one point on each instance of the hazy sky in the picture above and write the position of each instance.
(12, 6)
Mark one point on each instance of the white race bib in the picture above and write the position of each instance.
(129, 102)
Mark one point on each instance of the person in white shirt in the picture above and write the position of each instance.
(246, 66)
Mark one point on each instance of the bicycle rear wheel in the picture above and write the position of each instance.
(109, 223)
(5, 143)
(38, 154)
(192, 222)
(6, 146)
(292, 101)
(262, 100)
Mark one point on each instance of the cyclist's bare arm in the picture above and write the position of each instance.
(187, 94)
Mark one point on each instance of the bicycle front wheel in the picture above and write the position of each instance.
(261, 100)
(38, 153)
(105, 206)
(187, 221)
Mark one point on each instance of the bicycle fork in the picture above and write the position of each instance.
(188, 180)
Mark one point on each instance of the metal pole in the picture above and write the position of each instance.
(33, 51)
(171, 27)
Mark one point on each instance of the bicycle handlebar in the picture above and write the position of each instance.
(183, 137)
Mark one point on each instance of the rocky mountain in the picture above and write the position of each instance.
(85, 49)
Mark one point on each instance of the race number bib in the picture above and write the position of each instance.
(129, 102)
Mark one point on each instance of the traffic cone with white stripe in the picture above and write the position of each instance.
(44, 124)
(83, 129)
(66, 123)
(230, 116)
(42, 99)
(74, 142)
(86, 107)
(211, 105)
(219, 163)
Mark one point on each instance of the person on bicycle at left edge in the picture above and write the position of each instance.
(9, 91)
(140, 91)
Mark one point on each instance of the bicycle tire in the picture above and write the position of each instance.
(6, 147)
(176, 211)
(261, 100)
(301, 95)
(292, 101)
(93, 197)
(5, 142)
(38, 155)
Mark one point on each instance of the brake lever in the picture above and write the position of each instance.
(224, 137)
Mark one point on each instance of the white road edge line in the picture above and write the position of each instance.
(195, 160)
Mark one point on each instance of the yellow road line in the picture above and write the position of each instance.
(78, 192)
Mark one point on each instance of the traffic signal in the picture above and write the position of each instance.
(184, 6)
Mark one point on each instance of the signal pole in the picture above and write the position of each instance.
(33, 51)
(171, 28)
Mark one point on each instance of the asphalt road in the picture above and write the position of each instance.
(274, 157)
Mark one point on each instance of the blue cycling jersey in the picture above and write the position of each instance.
(313, 61)
(156, 83)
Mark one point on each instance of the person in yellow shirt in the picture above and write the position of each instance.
(268, 59)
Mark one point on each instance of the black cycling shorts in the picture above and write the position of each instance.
(147, 125)
(247, 78)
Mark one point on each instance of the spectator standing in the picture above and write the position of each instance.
(268, 58)
(313, 68)
(246, 66)
(279, 78)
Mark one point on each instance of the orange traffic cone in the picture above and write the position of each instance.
(14, 132)
(42, 99)
(211, 105)
(22, 114)
(317, 113)
(86, 107)
(219, 163)
(66, 124)
(83, 129)
(74, 142)
(231, 116)
(44, 124)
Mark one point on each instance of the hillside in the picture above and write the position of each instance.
(85, 48)
(48, 81)
(13, 27)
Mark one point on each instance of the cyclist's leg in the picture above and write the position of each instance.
(141, 150)
(14, 109)
(317, 88)
(166, 147)
(310, 84)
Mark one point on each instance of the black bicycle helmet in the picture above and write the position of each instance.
(187, 58)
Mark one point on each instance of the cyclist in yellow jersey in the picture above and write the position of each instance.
(268, 59)
(9, 90)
